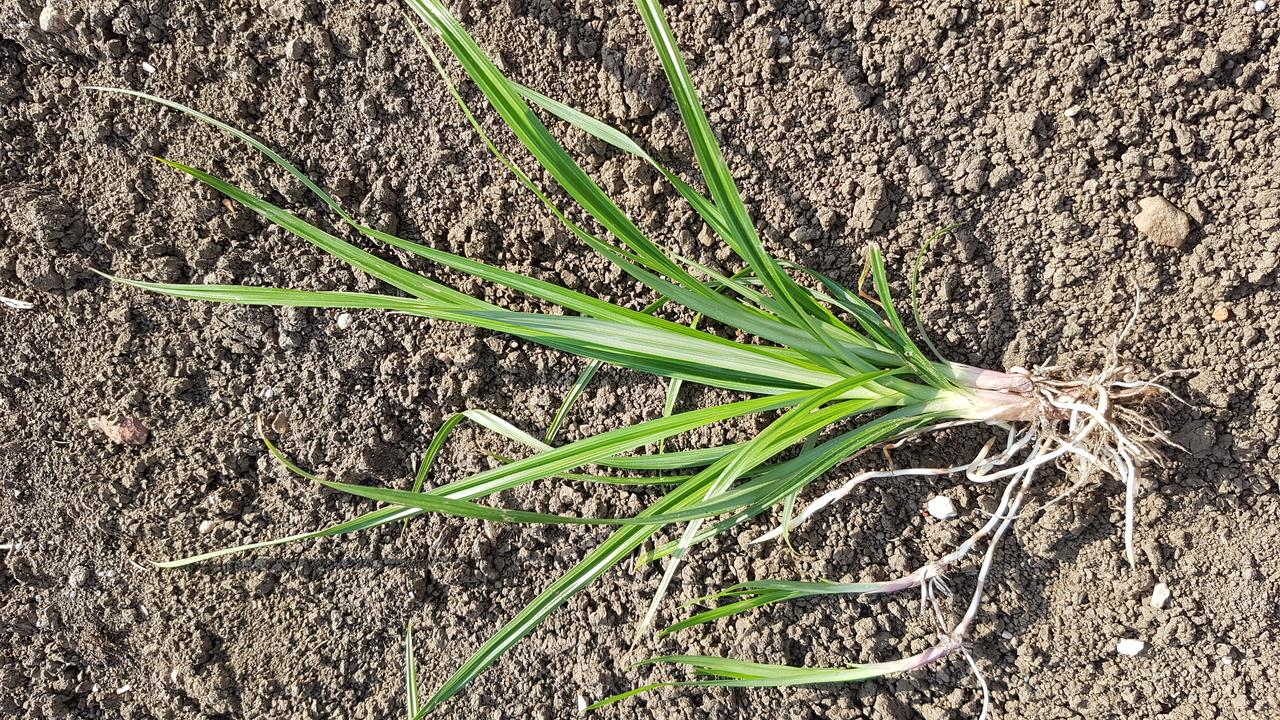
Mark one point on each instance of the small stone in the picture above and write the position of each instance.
(1161, 221)
(1160, 595)
(1072, 111)
(941, 507)
(344, 321)
(1260, 6)
(148, 68)
(80, 577)
(206, 526)
(1196, 210)
(1130, 647)
(122, 429)
(295, 48)
(805, 234)
(1222, 313)
(57, 706)
(280, 422)
(51, 19)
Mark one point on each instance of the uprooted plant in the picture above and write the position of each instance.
(835, 371)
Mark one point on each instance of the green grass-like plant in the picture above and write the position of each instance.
(833, 371)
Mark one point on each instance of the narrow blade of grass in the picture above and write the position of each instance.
(726, 672)
(795, 426)
(611, 552)
(575, 392)
(796, 473)
(413, 699)
(705, 208)
(367, 521)
(800, 310)
(760, 593)
(924, 367)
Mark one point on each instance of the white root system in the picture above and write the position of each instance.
(1088, 428)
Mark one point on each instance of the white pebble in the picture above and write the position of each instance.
(1260, 6)
(582, 704)
(148, 67)
(1160, 595)
(344, 321)
(51, 19)
(1130, 647)
(941, 507)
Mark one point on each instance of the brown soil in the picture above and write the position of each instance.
(1040, 125)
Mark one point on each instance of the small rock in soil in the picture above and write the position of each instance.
(1130, 647)
(80, 577)
(1161, 221)
(51, 19)
(941, 507)
(1160, 595)
(123, 429)
(280, 422)
(1222, 313)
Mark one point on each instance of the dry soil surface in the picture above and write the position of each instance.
(1040, 125)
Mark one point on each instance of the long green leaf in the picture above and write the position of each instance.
(413, 699)
(368, 521)
(726, 672)
(611, 552)
(793, 427)
(759, 593)
(800, 310)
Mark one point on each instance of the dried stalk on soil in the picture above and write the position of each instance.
(811, 366)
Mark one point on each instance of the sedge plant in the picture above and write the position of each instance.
(830, 371)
